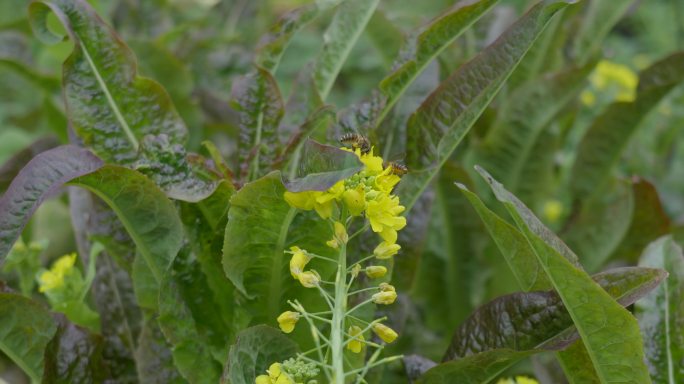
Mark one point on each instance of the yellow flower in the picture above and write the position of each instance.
(355, 200)
(373, 163)
(274, 370)
(382, 212)
(262, 379)
(385, 287)
(284, 379)
(309, 279)
(54, 278)
(287, 321)
(298, 261)
(588, 98)
(302, 200)
(341, 233)
(609, 74)
(386, 181)
(525, 380)
(384, 332)
(384, 297)
(386, 250)
(324, 201)
(376, 271)
(356, 344)
(553, 209)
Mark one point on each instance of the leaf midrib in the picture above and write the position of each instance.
(110, 99)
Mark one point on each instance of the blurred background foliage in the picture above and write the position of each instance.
(197, 48)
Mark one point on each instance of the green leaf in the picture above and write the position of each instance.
(149, 217)
(661, 314)
(40, 178)
(27, 328)
(599, 319)
(513, 246)
(291, 155)
(74, 356)
(153, 357)
(254, 351)
(515, 326)
(11, 167)
(272, 45)
(441, 122)
(110, 108)
(345, 29)
(601, 147)
(426, 45)
(322, 166)
(257, 99)
(261, 226)
(385, 36)
(509, 143)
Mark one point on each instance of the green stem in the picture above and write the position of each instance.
(339, 314)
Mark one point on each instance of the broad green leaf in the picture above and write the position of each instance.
(576, 364)
(513, 246)
(322, 166)
(260, 106)
(603, 144)
(110, 107)
(272, 44)
(661, 314)
(254, 351)
(149, 217)
(188, 320)
(597, 20)
(509, 143)
(27, 328)
(602, 222)
(345, 29)
(426, 45)
(74, 356)
(261, 226)
(599, 319)
(385, 36)
(439, 125)
(153, 357)
(476, 369)
(648, 222)
(40, 178)
(515, 326)
(291, 155)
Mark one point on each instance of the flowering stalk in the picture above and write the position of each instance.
(366, 195)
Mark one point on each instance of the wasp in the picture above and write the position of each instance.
(398, 168)
(356, 141)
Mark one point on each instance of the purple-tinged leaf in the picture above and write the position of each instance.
(322, 166)
(39, 179)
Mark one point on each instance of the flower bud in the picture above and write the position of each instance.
(356, 269)
(384, 332)
(386, 250)
(309, 279)
(385, 287)
(341, 233)
(355, 200)
(375, 271)
(298, 261)
(287, 321)
(384, 297)
(356, 344)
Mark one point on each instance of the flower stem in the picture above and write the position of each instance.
(339, 314)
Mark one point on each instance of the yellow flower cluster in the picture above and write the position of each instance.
(517, 380)
(612, 76)
(275, 376)
(54, 278)
(369, 192)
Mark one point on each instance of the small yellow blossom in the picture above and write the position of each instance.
(262, 379)
(517, 380)
(356, 269)
(386, 333)
(553, 209)
(54, 278)
(373, 163)
(341, 233)
(332, 243)
(309, 279)
(376, 271)
(610, 74)
(287, 321)
(298, 261)
(386, 250)
(386, 181)
(588, 98)
(356, 344)
(383, 214)
(355, 200)
(274, 370)
(384, 297)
